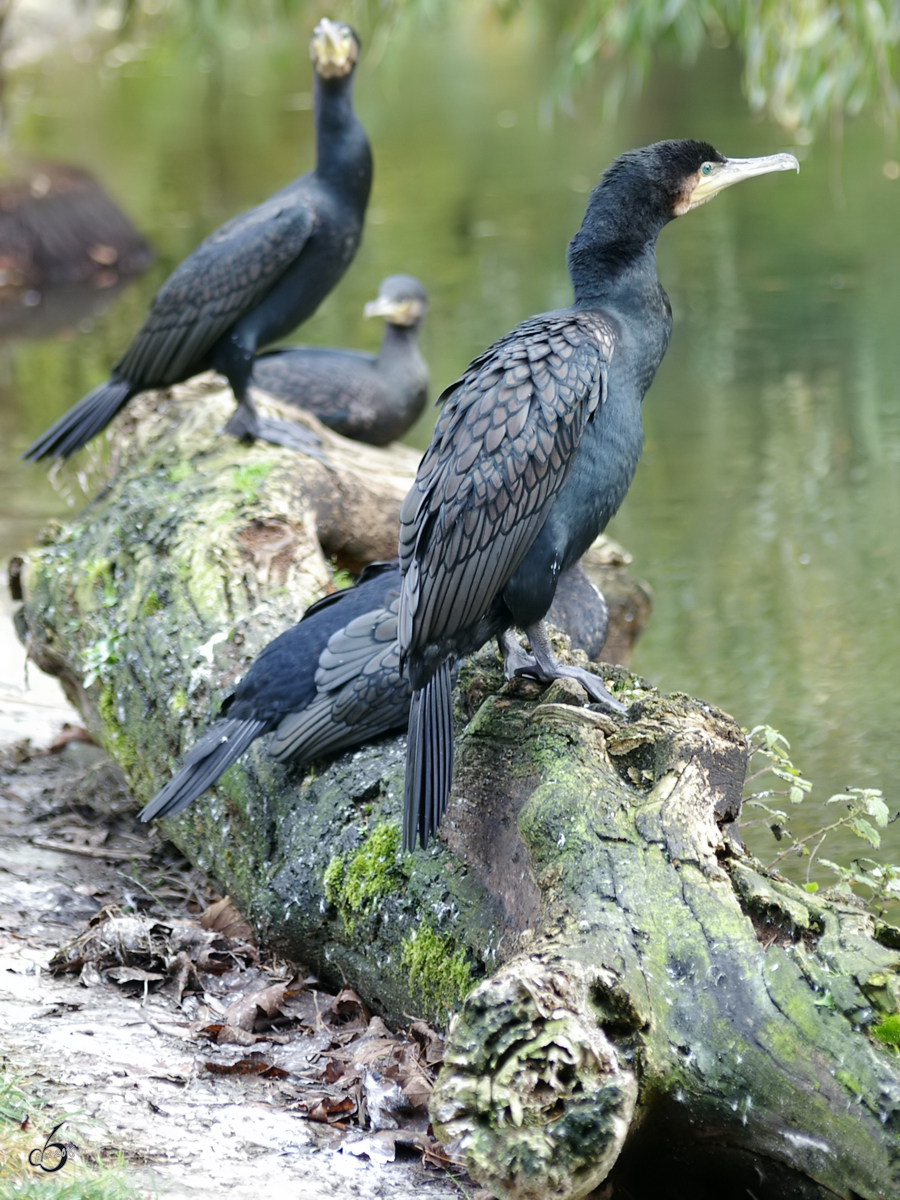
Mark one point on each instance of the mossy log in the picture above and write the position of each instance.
(640, 1006)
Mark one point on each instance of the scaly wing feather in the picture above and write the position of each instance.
(503, 445)
(222, 279)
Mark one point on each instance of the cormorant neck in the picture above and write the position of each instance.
(397, 340)
(615, 248)
(342, 148)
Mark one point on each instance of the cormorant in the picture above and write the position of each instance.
(534, 450)
(372, 399)
(331, 682)
(254, 279)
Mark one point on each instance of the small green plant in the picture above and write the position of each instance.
(862, 811)
(248, 479)
(888, 1031)
(355, 883)
(341, 578)
(24, 1126)
(438, 971)
(97, 657)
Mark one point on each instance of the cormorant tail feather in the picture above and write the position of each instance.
(429, 758)
(83, 421)
(221, 745)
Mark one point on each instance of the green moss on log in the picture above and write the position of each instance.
(356, 883)
(439, 972)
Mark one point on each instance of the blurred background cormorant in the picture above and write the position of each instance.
(534, 451)
(254, 279)
(333, 680)
(372, 399)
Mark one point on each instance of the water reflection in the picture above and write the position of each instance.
(764, 512)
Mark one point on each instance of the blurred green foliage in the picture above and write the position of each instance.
(805, 62)
(862, 811)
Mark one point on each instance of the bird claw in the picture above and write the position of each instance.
(248, 426)
(518, 662)
(293, 436)
(593, 687)
(587, 679)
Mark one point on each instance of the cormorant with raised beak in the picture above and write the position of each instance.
(534, 450)
(254, 279)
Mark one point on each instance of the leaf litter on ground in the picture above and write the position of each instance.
(354, 1073)
(149, 934)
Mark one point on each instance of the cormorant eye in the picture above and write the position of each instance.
(706, 169)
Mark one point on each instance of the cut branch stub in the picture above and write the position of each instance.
(629, 850)
(532, 1091)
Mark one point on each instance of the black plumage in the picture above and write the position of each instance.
(580, 609)
(534, 451)
(254, 279)
(373, 399)
(330, 683)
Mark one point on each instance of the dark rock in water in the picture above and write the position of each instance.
(40, 312)
(59, 228)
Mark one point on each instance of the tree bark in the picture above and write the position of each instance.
(639, 1005)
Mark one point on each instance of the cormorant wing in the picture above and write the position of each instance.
(225, 277)
(349, 649)
(502, 448)
(360, 690)
(372, 570)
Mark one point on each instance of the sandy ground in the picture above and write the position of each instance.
(119, 1067)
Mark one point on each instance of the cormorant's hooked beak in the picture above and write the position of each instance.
(333, 49)
(714, 177)
(397, 312)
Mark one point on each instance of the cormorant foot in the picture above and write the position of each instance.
(591, 684)
(516, 660)
(292, 435)
(247, 425)
(544, 666)
(243, 423)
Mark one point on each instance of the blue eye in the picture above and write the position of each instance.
(706, 169)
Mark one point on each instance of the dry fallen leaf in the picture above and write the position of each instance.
(246, 1010)
(432, 1043)
(350, 1010)
(223, 917)
(247, 1066)
(232, 1035)
(331, 1109)
(69, 733)
(133, 975)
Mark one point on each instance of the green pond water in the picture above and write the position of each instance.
(766, 510)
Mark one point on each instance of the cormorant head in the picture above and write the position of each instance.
(641, 191)
(680, 175)
(705, 172)
(401, 301)
(334, 49)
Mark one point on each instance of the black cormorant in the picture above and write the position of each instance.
(534, 450)
(372, 399)
(332, 682)
(253, 280)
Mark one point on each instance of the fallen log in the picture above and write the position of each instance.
(639, 1004)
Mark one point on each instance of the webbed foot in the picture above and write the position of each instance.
(248, 425)
(543, 665)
